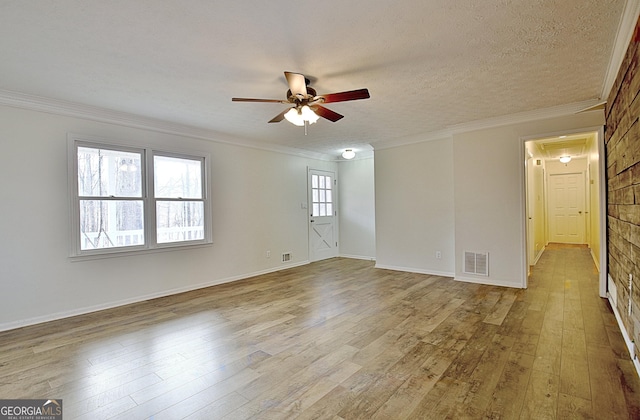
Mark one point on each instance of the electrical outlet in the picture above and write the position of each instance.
(630, 293)
(438, 255)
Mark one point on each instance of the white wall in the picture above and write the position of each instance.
(414, 207)
(460, 194)
(256, 207)
(357, 208)
(489, 193)
(489, 203)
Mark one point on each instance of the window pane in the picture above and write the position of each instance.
(321, 179)
(316, 209)
(328, 183)
(178, 221)
(177, 177)
(106, 173)
(329, 209)
(111, 223)
(314, 181)
(323, 210)
(315, 196)
(329, 197)
(322, 196)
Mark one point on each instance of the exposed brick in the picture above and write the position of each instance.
(622, 139)
(634, 235)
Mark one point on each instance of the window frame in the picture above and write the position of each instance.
(147, 152)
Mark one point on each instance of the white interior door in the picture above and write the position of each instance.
(566, 208)
(322, 213)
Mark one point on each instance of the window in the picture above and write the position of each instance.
(321, 195)
(132, 199)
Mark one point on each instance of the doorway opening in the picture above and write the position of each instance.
(564, 196)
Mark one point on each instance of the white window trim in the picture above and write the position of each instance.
(148, 151)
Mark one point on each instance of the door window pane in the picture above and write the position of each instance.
(321, 195)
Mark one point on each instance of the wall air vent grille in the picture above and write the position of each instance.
(286, 257)
(476, 263)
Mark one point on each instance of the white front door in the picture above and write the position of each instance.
(323, 243)
(566, 208)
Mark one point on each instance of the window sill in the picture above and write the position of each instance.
(131, 253)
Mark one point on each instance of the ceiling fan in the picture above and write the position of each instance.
(307, 104)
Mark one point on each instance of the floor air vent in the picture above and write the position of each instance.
(286, 257)
(476, 263)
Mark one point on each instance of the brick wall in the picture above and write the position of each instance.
(622, 139)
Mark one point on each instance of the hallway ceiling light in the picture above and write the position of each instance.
(565, 159)
(348, 154)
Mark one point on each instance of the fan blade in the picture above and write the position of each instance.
(278, 101)
(326, 113)
(297, 84)
(351, 95)
(279, 117)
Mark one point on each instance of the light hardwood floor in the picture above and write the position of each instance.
(339, 339)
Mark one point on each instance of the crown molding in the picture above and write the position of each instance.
(103, 115)
(517, 118)
(626, 28)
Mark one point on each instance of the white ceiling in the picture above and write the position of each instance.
(428, 64)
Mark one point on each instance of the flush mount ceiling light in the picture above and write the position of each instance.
(565, 159)
(348, 154)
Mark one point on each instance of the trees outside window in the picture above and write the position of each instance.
(117, 209)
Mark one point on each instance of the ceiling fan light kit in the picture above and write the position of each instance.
(298, 116)
(307, 107)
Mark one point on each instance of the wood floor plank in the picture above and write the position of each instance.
(571, 407)
(485, 378)
(508, 396)
(502, 308)
(541, 398)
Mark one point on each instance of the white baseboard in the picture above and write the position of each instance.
(415, 270)
(488, 282)
(595, 260)
(628, 341)
(89, 309)
(358, 257)
(535, 260)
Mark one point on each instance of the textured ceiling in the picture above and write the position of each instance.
(428, 64)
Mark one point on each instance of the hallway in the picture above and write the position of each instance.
(580, 344)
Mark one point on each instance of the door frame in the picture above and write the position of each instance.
(602, 202)
(336, 225)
